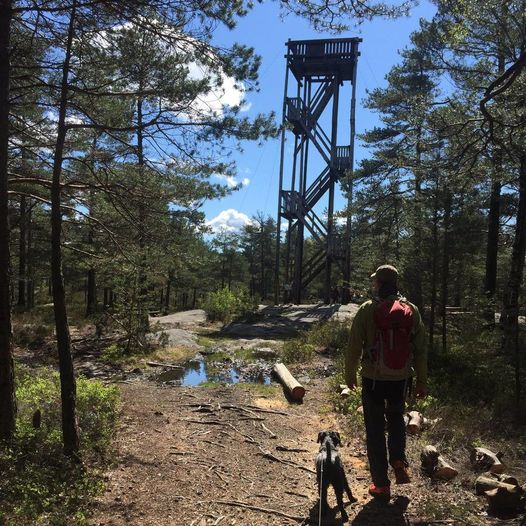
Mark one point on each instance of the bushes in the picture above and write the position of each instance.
(39, 485)
(297, 350)
(331, 334)
(225, 305)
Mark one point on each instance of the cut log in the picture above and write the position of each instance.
(291, 385)
(345, 393)
(435, 465)
(485, 460)
(429, 459)
(502, 491)
(487, 482)
(416, 420)
(502, 499)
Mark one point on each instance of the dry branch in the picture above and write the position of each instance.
(270, 456)
(257, 508)
(271, 433)
(169, 365)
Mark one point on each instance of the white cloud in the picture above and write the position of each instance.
(230, 220)
(231, 181)
(225, 92)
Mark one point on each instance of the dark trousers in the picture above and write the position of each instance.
(384, 400)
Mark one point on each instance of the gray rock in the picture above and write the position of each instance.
(173, 338)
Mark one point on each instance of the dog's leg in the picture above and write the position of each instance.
(347, 488)
(323, 498)
(338, 490)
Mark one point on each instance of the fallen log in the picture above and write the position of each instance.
(415, 422)
(485, 460)
(502, 491)
(291, 385)
(169, 365)
(435, 465)
(487, 482)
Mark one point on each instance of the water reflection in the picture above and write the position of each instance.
(197, 372)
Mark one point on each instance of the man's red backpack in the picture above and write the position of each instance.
(393, 320)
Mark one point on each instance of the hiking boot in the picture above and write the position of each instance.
(380, 492)
(401, 472)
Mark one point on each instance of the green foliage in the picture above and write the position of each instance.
(297, 350)
(225, 305)
(39, 485)
(113, 354)
(331, 334)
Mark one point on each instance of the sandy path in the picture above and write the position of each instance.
(178, 453)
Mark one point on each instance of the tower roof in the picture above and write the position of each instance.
(322, 57)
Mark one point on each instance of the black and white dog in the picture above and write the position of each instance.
(329, 470)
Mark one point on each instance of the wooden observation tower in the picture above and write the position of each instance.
(311, 111)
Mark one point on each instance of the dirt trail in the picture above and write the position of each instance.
(243, 455)
(198, 456)
(182, 450)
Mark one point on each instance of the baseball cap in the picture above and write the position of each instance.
(386, 274)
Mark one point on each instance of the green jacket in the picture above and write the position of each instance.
(362, 339)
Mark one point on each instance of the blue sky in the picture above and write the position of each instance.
(267, 33)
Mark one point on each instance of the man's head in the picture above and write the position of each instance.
(385, 275)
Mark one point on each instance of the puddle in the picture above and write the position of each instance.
(197, 372)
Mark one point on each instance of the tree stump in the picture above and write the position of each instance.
(415, 422)
(485, 460)
(435, 465)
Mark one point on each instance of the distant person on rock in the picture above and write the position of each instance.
(387, 334)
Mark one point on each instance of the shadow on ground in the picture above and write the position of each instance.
(376, 512)
(280, 321)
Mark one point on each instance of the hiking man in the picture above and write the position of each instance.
(387, 333)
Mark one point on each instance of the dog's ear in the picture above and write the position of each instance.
(321, 436)
(336, 438)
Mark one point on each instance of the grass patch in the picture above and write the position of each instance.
(268, 390)
(39, 485)
(115, 354)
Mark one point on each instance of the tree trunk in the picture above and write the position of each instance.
(22, 255)
(492, 248)
(416, 277)
(168, 291)
(91, 296)
(434, 275)
(91, 299)
(143, 319)
(67, 376)
(510, 311)
(7, 382)
(30, 289)
(445, 268)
